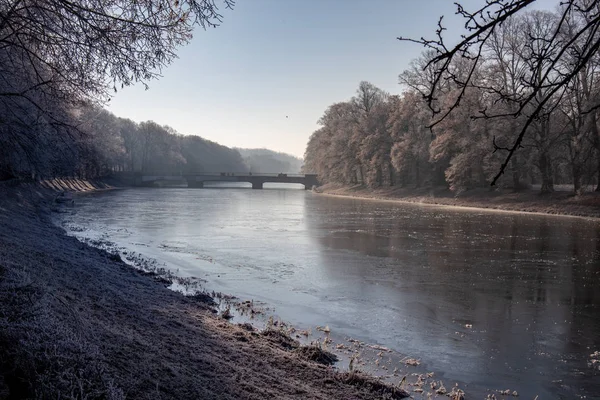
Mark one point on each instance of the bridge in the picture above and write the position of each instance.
(198, 180)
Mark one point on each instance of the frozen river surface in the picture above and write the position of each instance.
(492, 300)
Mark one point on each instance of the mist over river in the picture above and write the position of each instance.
(495, 300)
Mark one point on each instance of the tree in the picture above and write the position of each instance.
(367, 105)
(102, 141)
(411, 139)
(161, 151)
(132, 143)
(314, 156)
(506, 68)
(81, 49)
(340, 154)
(59, 55)
(376, 145)
(520, 92)
(549, 77)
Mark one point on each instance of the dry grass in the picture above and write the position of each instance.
(316, 354)
(370, 383)
(280, 338)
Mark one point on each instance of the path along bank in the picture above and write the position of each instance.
(76, 322)
(557, 203)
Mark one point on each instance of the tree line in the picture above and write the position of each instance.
(269, 161)
(103, 144)
(61, 60)
(118, 144)
(463, 107)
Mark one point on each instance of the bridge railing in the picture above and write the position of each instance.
(250, 173)
(247, 173)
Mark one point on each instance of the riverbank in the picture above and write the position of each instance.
(76, 322)
(530, 201)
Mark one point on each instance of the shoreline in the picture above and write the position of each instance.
(87, 323)
(364, 355)
(527, 202)
(416, 375)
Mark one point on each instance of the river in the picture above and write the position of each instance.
(491, 299)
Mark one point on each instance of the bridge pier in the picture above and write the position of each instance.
(257, 185)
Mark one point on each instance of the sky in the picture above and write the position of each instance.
(265, 76)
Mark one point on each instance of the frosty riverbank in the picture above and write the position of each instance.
(75, 322)
(527, 200)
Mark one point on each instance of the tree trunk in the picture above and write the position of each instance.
(577, 179)
(362, 174)
(391, 171)
(132, 161)
(596, 141)
(598, 185)
(378, 176)
(417, 174)
(546, 170)
(515, 173)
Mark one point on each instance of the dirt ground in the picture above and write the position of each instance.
(558, 203)
(76, 322)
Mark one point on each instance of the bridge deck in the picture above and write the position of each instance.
(257, 180)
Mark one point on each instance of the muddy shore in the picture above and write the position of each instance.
(530, 201)
(77, 322)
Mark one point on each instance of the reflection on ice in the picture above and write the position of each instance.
(492, 300)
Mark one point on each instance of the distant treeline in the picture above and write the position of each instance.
(62, 61)
(379, 139)
(99, 142)
(96, 143)
(269, 161)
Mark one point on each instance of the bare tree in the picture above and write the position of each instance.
(549, 75)
(56, 55)
(411, 139)
(507, 68)
(82, 49)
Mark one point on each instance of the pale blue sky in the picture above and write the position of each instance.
(270, 59)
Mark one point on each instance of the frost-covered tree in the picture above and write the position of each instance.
(545, 49)
(411, 139)
(58, 55)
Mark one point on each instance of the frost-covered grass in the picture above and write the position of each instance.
(42, 357)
